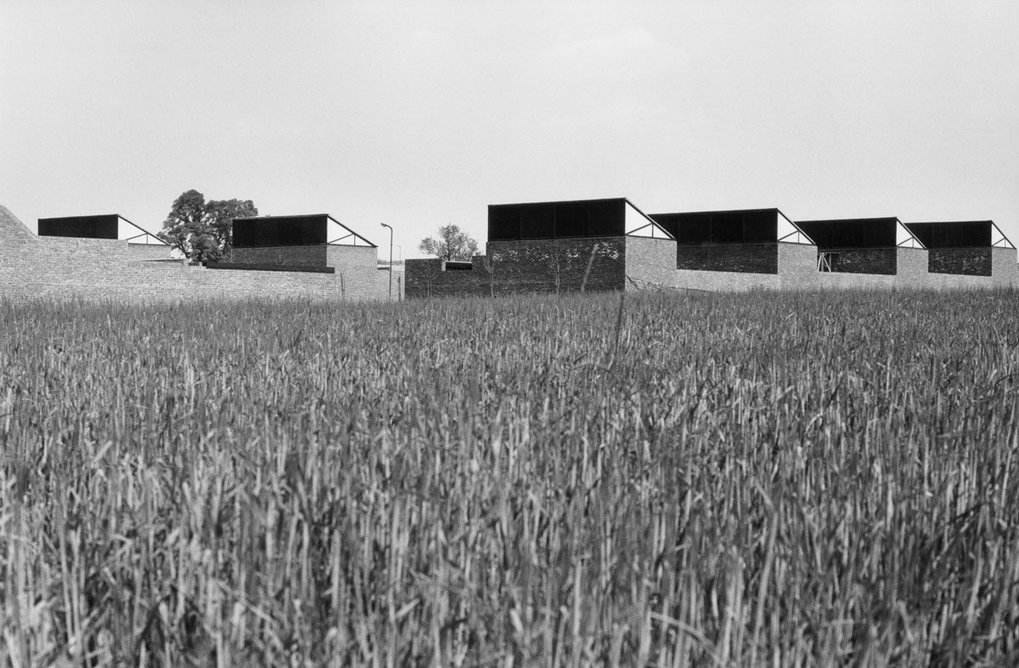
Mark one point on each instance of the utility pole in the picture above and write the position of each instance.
(390, 261)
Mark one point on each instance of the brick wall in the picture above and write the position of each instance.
(525, 267)
(357, 268)
(541, 266)
(911, 268)
(750, 258)
(148, 252)
(312, 255)
(1004, 270)
(797, 266)
(650, 263)
(426, 278)
(105, 269)
(968, 261)
(13, 233)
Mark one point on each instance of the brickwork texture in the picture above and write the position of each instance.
(758, 258)
(966, 261)
(512, 267)
(313, 255)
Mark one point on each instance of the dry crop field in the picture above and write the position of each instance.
(758, 479)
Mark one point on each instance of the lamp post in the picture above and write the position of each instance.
(390, 261)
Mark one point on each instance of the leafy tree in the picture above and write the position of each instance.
(202, 230)
(221, 214)
(184, 221)
(451, 244)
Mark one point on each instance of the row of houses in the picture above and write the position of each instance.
(316, 242)
(610, 244)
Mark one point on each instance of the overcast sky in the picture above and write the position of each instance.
(419, 114)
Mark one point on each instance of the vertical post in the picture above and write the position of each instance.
(390, 261)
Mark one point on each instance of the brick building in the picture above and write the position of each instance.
(140, 243)
(874, 246)
(741, 241)
(967, 248)
(547, 247)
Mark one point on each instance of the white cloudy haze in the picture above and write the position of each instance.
(422, 113)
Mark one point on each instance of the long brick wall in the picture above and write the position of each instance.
(511, 267)
(108, 269)
(650, 264)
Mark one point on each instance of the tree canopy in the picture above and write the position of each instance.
(451, 244)
(203, 230)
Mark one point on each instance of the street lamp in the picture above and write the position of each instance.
(390, 261)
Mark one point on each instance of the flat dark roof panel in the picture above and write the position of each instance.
(961, 234)
(270, 231)
(537, 222)
(606, 218)
(503, 222)
(565, 219)
(83, 227)
(721, 227)
(851, 233)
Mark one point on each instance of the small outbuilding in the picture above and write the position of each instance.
(315, 240)
(106, 226)
(865, 246)
(965, 248)
(567, 245)
(745, 240)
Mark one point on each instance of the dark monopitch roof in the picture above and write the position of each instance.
(613, 217)
(103, 226)
(303, 230)
(886, 232)
(960, 234)
(738, 226)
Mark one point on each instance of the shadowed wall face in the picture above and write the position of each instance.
(749, 258)
(962, 261)
(863, 260)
